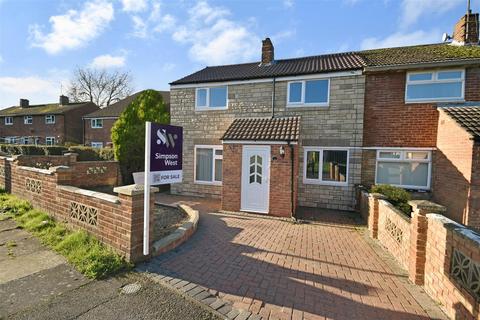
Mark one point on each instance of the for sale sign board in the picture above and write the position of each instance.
(165, 154)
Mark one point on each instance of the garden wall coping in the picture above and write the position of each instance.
(456, 227)
(90, 193)
(133, 189)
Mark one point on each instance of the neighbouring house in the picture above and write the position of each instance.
(98, 125)
(402, 136)
(49, 124)
(457, 161)
(270, 135)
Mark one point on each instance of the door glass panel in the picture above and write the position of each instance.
(256, 163)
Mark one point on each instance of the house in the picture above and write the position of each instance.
(270, 135)
(50, 124)
(403, 92)
(98, 125)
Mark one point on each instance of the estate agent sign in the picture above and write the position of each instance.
(163, 165)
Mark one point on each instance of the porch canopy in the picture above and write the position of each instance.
(281, 129)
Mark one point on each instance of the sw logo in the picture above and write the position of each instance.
(165, 138)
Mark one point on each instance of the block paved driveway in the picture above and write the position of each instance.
(281, 270)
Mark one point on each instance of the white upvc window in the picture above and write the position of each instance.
(11, 140)
(25, 140)
(96, 123)
(410, 169)
(211, 98)
(308, 93)
(208, 164)
(325, 166)
(50, 119)
(96, 144)
(435, 86)
(27, 120)
(8, 121)
(49, 141)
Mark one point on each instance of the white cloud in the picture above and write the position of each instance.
(167, 23)
(108, 61)
(402, 39)
(37, 89)
(169, 66)
(412, 10)
(139, 27)
(283, 35)
(214, 38)
(134, 5)
(288, 3)
(75, 28)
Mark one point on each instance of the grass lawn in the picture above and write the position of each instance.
(84, 252)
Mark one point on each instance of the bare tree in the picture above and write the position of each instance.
(99, 86)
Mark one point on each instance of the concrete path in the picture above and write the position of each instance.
(280, 270)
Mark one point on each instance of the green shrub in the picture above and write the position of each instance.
(87, 254)
(93, 154)
(128, 132)
(397, 196)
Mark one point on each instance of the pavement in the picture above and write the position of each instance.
(37, 283)
(276, 269)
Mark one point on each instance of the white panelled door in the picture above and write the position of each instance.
(255, 178)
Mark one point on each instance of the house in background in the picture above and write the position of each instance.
(50, 124)
(98, 125)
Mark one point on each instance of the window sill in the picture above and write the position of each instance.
(211, 109)
(207, 183)
(434, 101)
(417, 188)
(294, 106)
(325, 183)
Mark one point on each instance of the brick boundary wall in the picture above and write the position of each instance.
(439, 254)
(115, 220)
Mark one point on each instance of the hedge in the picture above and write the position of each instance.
(84, 153)
(397, 196)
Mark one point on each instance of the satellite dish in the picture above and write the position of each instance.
(445, 37)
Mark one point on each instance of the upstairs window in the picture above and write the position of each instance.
(313, 93)
(446, 85)
(213, 98)
(8, 121)
(27, 120)
(50, 119)
(96, 123)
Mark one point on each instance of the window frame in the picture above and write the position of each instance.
(302, 102)
(433, 81)
(404, 159)
(94, 120)
(25, 120)
(320, 180)
(215, 157)
(52, 117)
(207, 106)
(96, 144)
(49, 138)
(8, 123)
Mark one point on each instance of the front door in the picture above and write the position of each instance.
(255, 178)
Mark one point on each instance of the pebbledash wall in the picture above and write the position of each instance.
(441, 255)
(116, 220)
(339, 125)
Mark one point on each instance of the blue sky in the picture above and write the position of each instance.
(159, 41)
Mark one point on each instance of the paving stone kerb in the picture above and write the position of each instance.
(117, 220)
(425, 244)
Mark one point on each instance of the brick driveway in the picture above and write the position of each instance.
(282, 270)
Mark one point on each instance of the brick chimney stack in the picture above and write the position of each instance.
(24, 103)
(267, 52)
(63, 100)
(466, 30)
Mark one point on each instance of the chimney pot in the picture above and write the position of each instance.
(267, 52)
(24, 103)
(63, 100)
(466, 30)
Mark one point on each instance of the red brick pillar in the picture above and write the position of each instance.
(72, 158)
(418, 238)
(131, 199)
(373, 213)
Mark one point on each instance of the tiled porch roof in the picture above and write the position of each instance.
(467, 116)
(264, 129)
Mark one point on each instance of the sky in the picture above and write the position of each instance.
(159, 41)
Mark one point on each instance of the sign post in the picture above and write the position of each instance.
(163, 165)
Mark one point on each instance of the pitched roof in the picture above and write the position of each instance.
(466, 116)
(440, 52)
(400, 56)
(114, 110)
(264, 129)
(285, 67)
(41, 109)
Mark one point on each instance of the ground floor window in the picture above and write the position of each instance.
(208, 164)
(50, 141)
(97, 144)
(325, 166)
(404, 168)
